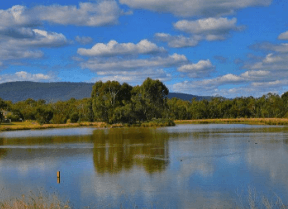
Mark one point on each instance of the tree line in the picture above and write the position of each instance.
(113, 102)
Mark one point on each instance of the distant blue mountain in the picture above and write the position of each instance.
(52, 92)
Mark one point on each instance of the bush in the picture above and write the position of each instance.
(74, 117)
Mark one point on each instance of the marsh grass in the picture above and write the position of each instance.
(33, 201)
(251, 121)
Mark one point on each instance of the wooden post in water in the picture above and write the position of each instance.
(58, 177)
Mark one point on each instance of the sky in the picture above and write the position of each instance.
(227, 48)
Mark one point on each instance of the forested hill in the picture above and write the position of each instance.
(52, 92)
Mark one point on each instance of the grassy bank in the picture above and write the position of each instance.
(33, 125)
(252, 121)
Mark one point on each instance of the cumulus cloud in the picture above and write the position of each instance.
(207, 84)
(178, 41)
(266, 46)
(84, 39)
(43, 38)
(201, 69)
(25, 76)
(86, 14)
(134, 77)
(28, 48)
(272, 61)
(210, 28)
(251, 82)
(17, 16)
(190, 8)
(134, 64)
(283, 36)
(113, 49)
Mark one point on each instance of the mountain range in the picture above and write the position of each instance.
(54, 91)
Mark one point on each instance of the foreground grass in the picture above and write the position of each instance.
(252, 121)
(35, 202)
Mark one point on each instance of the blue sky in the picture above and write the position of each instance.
(230, 48)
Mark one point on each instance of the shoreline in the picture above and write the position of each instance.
(250, 121)
(17, 126)
(32, 125)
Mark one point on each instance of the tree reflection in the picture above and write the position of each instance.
(3, 151)
(122, 148)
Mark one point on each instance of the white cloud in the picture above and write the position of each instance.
(281, 48)
(178, 41)
(252, 82)
(207, 85)
(255, 74)
(17, 16)
(25, 76)
(277, 62)
(210, 28)
(14, 53)
(113, 49)
(133, 64)
(84, 39)
(190, 8)
(271, 83)
(44, 39)
(27, 48)
(201, 69)
(283, 36)
(87, 14)
(134, 77)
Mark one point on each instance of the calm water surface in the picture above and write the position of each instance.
(186, 166)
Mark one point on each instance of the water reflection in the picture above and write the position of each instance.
(3, 152)
(120, 148)
(112, 150)
(187, 166)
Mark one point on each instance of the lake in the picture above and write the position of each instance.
(186, 166)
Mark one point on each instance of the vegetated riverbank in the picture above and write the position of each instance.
(33, 125)
(250, 121)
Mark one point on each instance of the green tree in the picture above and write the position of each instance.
(43, 115)
(107, 98)
(150, 98)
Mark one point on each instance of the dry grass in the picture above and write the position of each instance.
(257, 121)
(254, 201)
(33, 125)
(35, 202)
